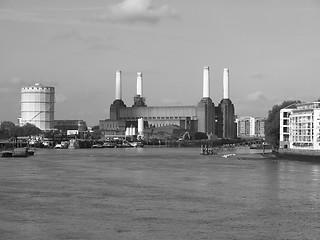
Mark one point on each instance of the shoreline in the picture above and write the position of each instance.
(257, 156)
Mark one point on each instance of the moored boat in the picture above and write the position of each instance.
(6, 153)
(17, 152)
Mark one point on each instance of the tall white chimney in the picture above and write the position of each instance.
(206, 83)
(139, 84)
(118, 86)
(140, 127)
(226, 83)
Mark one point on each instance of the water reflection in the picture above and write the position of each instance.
(315, 173)
(315, 183)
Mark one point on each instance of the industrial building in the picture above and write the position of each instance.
(204, 117)
(299, 126)
(66, 125)
(37, 106)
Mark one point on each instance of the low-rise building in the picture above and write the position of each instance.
(65, 125)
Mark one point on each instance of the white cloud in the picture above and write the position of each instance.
(131, 11)
(256, 96)
(128, 11)
(254, 104)
(133, 6)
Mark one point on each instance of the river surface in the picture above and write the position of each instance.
(157, 193)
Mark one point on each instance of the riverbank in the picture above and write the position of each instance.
(258, 156)
(300, 155)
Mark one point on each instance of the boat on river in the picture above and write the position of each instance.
(17, 152)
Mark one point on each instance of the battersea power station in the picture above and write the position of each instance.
(215, 121)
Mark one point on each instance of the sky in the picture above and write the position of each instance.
(271, 49)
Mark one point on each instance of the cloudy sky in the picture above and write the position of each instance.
(271, 48)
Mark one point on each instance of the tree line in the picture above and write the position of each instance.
(272, 126)
(9, 129)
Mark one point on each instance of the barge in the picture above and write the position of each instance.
(17, 152)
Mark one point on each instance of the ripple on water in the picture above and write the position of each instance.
(157, 193)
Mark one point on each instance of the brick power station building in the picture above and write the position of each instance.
(215, 121)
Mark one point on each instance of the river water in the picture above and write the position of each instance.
(157, 193)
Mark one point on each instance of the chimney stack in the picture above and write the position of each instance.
(140, 127)
(139, 84)
(206, 83)
(118, 86)
(226, 83)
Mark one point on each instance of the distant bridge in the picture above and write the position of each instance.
(244, 144)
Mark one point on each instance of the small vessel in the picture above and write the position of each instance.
(126, 144)
(6, 153)
(74, 144)
(137, 144)
(58, 146)
(30, 151)
(228, 155)
(62, 145)
(97, 145)
(17, 152)
(109, 144)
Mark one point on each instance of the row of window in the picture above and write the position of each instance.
(310, 106)
(302, 118)
(302, 139)
(302, 132)
(299, 144)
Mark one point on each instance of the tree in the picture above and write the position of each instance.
(8, 129)
(97, 127)
(272, 127)
(15, 131)
(30, 130)
(96, 134)
(7, 126)
(200, 136)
